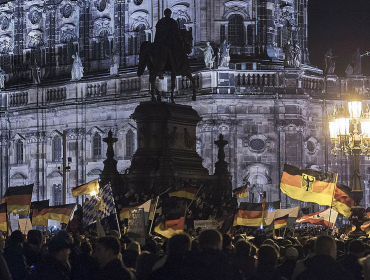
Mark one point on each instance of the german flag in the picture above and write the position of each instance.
(342, 201)
(189, 193)
(18, 199)
(86, 188)
(3, 218)
(308, 185)
(249, 214)
(60, 213)
(281, 222)
(125, 212)
(241, 192)
(36, 206)
(169, 228)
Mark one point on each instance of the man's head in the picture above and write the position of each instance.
(59, 248)
(107, 250)
(325, 245)
(267, 256)
(17, 237)
(210, 239)
(357, 248)
(167, 13)
(242, 248)
(179, 243)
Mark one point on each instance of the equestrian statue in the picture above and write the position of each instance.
(168, 53)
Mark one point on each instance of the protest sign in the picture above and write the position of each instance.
(24, 225)
(206, 224)
(136, 225)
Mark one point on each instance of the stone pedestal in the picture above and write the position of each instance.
(166, 155)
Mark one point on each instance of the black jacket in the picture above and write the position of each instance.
(350, 263)
(323, 267)
(51, 268)
(114, 270)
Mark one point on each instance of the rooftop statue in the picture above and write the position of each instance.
(224, 55)
(77, 68)
(36, 74)
(168, 53)
(209, 59)
(354, 67)
(329, 62)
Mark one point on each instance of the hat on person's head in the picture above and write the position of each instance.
(291, 253)
(58, 244)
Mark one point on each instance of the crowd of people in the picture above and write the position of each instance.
(210, 255)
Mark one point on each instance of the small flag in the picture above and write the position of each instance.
(18, 199)
(125, 212)
(3, 218)
(241, 192)
(342, 201)
(86, 188)
(308, 185)
(169, 228)
(189, 193)
(249, 214)
(325, 218)
(60, 213)
(281, 222)
(36, 207)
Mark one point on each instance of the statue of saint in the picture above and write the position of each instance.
(114, 66)
(329, 62)
(77, 68)
(354, 67)
(209, 59)
(289, 55)
(36, 74)
(224, 54)
(2, 79)
(297, 56)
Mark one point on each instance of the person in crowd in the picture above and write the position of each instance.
(243, 264)
(4, 270)
(87, 267)
(286, 269)
(349, 262)
(267, 258)
(107, 253)
(32, 248)
(323, 265)
(56, 265)
(13, 254)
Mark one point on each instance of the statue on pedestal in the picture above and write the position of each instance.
(221, 165)
(209, 59)
(297, 56)
(114, 66)
(355, 67)
(169, 52)
(224, 55)
(2, 79)
(329, 62)
(36, 74)
(77, 68)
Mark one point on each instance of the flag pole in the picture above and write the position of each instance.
(332, 198)
(187, 207)
(154, 211)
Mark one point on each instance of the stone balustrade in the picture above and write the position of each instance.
(18, 99)
(96, 89)
(56, 94)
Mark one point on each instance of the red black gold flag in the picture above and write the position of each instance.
(36, 207)
(241, 192)
(3, 218)
(189, 193)
(18, 199)
(173, 224)
(308, 185)
(342, 201)
(249, 214)
(281, 222)
(60, 213)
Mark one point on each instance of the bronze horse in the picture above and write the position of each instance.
(157, 60)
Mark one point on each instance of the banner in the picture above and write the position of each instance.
(24, 225)
(136, 225)
(206, 224)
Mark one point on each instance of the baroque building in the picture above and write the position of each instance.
(271, 111)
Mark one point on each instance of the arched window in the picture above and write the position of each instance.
(140, 37)
(236, 32)
(130, 143)
(57, 194)
(57, 149)
(97, 145)
(19, 154)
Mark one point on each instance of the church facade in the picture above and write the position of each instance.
(270, 111)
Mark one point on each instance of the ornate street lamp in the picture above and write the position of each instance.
(350, 134)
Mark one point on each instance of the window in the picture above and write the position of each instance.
(130, 143)
(236, 32)
(141, 37)
(222, 33)
(57, 149)
(57, 194)
(181, 22)
(97, 145)
(19, 156)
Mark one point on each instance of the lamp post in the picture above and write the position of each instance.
(350, 134)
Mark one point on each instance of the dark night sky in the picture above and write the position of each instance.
(342, 25)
